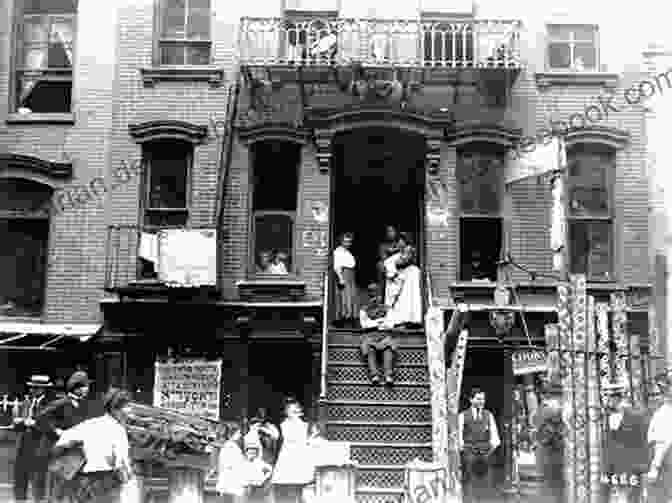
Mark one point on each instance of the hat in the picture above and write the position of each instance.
(40, 381)
(77, 380)
(115, 399)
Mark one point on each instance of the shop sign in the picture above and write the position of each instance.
(190, 387)
(529, 361)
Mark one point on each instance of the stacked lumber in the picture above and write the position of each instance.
(170, 438)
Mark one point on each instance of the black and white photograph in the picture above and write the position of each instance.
(335, 251)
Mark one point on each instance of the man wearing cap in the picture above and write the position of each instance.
(31, 465)
(627, 454)
(659, 477)
(63, 413)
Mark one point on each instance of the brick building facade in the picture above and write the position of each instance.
(148, 91)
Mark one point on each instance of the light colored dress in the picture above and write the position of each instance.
(295, 464)
(403, 291)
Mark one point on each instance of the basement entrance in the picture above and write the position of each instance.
(378, 180)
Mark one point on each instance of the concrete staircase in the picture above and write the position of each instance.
(387, 427)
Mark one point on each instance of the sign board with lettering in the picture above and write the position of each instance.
(529, 361)
(190, 387)
(430, 483)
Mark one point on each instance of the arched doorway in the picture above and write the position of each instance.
(378, 180)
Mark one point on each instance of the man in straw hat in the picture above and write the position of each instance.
(31, 465)
(627, 455)
(659, 477)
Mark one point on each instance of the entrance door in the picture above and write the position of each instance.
(378, 180)
(278, 369)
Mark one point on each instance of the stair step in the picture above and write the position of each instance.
(380, 432)
(381, 476)
(389, 454)
(379, 393)
(379, 411)
(407, 355)
(361, 373)
(375, 495)
(353, 338)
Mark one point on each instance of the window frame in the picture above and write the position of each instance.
(571, 42)
(55, 74)
(292, 272)
(158, 39)
(588, 217)
(42, 215)
(146, 210)
(467, 215)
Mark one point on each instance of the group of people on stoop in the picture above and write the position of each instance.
(268, 464)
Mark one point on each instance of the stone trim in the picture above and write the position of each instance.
(34, 168)
(167, 129)
(464, 133)
(211, 74)
(603, 135)
(278, 132)
(548, 79)
(67, 119)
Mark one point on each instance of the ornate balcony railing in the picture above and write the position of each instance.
(379, 43)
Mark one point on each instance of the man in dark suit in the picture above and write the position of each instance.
(30, 466)
(627, 454)
(64, 413)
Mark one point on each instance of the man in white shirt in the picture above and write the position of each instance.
(478, 438)
(660, 438)
(105, 445)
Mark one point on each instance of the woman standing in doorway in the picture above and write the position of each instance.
(386, 249)
(295, 468)
(403, 290)
(347, 310)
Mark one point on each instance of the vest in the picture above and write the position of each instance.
(476, 433)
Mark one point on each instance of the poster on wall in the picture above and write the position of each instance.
(529, 361)
(190, 387)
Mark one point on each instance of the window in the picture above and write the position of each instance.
(573, 47)
(24, 241)
(167, 171)
(479, 178)
(274, 202)
(44, 56)
(590, 212)
(184, 32)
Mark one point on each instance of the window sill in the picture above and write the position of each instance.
(211, 74)
(36, 118)
(568, 78)
(271, 280)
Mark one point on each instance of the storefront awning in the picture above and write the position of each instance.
(26, 336)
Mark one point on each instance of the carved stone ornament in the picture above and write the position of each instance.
(433, 156)
(323, 153)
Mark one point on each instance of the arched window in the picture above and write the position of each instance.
(24, 246)
(591, 169)
(275, 182)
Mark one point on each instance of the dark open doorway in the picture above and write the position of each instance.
(378, 180)
(272, 378)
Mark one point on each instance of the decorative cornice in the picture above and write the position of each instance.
(366, 116)
(167, 130)
(34, 168)
(610, 137)
(464, 133)
(547, 79)
(279, 132)
(213, 75)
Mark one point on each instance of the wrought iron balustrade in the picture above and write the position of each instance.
(379, 43)
(133, 256)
